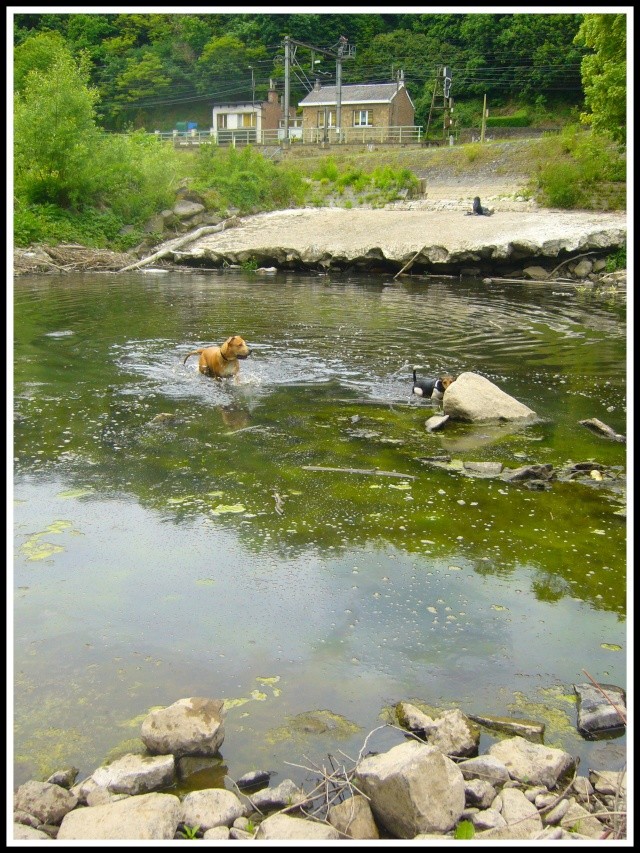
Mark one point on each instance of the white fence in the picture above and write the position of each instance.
(297, 135)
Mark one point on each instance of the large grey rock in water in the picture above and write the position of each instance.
(600, 714)
(474, 398)
(191, 726)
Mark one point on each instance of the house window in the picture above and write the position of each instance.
(326, 115)
(362, 118)
(247, 120)
(222, 121)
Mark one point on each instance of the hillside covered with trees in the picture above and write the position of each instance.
(150, 69)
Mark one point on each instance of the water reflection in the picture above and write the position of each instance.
(171, 570)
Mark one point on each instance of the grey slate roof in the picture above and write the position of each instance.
(359, 93)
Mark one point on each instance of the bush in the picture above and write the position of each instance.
(519, 119)
(48, 223)
(246, 180)
(560, 185)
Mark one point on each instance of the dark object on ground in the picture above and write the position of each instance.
(478, 209)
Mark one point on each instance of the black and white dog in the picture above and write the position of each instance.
(431, 389)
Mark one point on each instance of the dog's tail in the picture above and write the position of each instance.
(195, 352)
(415, 379)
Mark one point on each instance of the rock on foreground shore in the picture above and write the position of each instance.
(431, 785)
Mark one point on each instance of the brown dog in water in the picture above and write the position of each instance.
(221, 361)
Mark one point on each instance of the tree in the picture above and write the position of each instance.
(224, 66)
(55, 133)
(36, 53)
(604, 74)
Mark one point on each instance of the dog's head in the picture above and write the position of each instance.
(447, 380)
(235, 347)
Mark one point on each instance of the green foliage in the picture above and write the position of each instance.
(464, 831)
(604, 73)
(244, 179)
(50, 224)
(138, 58)
(578, 170)
(71, 180)
(617, 260)
(327, 170)
(560, 184)
(518, 119)
(38, 53)
(189, 831)
(55, 134)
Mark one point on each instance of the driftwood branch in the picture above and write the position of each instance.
(568, 260)
(408, 264)
(172, 245)
(375, 472)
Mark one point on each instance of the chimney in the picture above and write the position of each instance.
(317, 86)
(272, 95)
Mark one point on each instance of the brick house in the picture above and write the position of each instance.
(367, 110)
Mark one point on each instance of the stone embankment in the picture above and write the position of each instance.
(432, 785)
(430, 240)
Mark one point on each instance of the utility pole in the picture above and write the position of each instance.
(484, 119)
(287, 61)
(341, 45)
(343, 51)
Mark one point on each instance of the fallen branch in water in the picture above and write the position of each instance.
(172, 245)
(408, 264)
(568, 260)
(370, 471)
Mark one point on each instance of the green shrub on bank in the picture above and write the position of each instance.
(51, 225)
(245, 180)
(580, 169)
(519, 119)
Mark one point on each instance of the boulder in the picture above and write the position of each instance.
(413, 788)
(599, 716)
(187, 209)
(135, 774)
(193, 726)
(148, 816)
(474, 398)
(451, 731)
(49, 803)
(532, 763)
(286, 793)
(21, 832)
(211, 807)
(521, 817)
(283, 827)
(354, 818)
(485, 767)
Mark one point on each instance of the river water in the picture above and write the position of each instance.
(195, 554)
